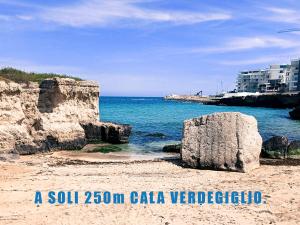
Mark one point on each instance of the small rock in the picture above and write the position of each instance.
(172, 148)
(275, 147)
(107, 132)
(156, 135)
(295, 113)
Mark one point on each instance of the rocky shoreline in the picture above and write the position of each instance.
(63, 114)
(273, 100)
(284, 100)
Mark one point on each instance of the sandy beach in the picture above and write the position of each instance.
(68, 171)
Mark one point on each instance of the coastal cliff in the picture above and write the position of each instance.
(60, 113)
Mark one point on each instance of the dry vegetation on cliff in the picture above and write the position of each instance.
(19, 76)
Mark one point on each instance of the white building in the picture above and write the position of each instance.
(249, 81)
(294, 76)
(277, 78)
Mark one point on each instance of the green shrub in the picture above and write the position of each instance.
(294, 152)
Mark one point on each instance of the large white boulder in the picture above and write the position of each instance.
(225, 141)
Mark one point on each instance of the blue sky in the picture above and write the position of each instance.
(149, 47)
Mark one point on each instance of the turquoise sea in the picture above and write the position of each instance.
(157, 122)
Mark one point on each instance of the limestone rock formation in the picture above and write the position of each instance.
(37, 118)
(13, 129)
(225, 141)
(63, 105)
(275, 147)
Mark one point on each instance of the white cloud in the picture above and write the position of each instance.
(258, 60)
(103, 12)
(24, 17)
(10, 18)
(280, 58)
(283, 15)
(248, 43)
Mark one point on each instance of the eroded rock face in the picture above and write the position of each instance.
(13, 129)
(63, 104)
(226, 141)
(69, 100)
(50, 116)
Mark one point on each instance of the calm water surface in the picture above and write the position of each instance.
(157, 122)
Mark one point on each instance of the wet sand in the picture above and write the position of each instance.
(74, 171)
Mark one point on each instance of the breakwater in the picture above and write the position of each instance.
(193, 98)
(268, 100)
(285, 100)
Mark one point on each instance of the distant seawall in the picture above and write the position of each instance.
(284, 100)
(192, 98)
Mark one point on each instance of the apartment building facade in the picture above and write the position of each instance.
(249, 81)
(294, 78)
(277, 78)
